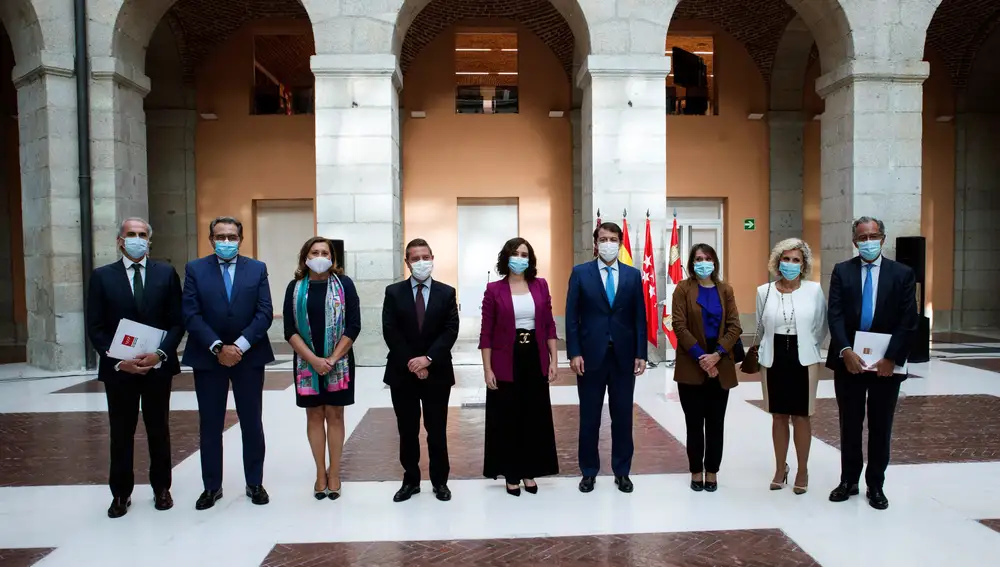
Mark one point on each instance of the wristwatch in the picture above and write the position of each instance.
(217, 349)
(162, 355)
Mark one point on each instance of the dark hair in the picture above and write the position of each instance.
(225, 220)
(302, 272)
(416, 243)
(508, 250)
(707, 249)
(610, 227)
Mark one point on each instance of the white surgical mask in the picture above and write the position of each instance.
(608, 251)
(422, 270)
(319, 264)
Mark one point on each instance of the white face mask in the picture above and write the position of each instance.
(422, 270)
(608, 251)
(319, 264)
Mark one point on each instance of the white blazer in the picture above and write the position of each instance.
(810, 321)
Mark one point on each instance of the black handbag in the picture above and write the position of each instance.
(739, 353)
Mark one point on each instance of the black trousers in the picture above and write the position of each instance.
(704, 408)
(124, 399)
(407, 399)
(855, 394)
(212, 389)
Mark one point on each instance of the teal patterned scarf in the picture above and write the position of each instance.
(307, 381)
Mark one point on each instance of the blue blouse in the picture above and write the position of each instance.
(711, 317)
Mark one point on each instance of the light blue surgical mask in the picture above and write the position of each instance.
(227, 250)
(517, 264)
(136, 247)
(790, 271)
(870, 249)
(704, 269)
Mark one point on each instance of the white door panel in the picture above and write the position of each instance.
(282, 227)
(483, 228)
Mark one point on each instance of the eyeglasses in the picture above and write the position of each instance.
(867, 237)
(225, 237)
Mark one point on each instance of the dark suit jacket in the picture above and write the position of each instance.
(591, 321)
(689, 325)
(406, 342)
(498, 332)
(209, 316)
(895, 309)
(111, 300)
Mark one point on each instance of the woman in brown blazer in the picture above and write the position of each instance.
(707, 325)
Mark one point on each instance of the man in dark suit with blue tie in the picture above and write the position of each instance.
(868, 293)
(606, 344)
(148, 292)
(227, 311)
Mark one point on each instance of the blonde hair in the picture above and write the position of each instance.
(786, 245)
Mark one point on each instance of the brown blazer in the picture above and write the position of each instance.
(689, 325)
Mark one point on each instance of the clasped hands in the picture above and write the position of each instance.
(708, 363)
(140, 365)
(230, 356)
(855, 365)
(419, 366)
(323, 365)
(576, 365)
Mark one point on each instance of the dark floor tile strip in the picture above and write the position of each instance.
(23, 557)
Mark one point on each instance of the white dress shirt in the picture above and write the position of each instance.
(142, 277)
(876, 269)
(425, 293)
(230, 266)
(604, 273)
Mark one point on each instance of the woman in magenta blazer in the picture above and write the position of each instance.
(518, 343)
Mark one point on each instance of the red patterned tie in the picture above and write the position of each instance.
(421, 307)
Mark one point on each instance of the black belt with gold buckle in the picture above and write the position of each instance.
(524, 337)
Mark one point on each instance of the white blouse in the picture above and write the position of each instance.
(524, 311)
(804, 315)
(785, 324)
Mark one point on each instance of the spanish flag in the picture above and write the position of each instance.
(625, 252)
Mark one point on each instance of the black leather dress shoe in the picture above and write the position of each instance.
(624, 484)
(442, 492)
(258, 495)
(162, 500)
(208, 499)
(877, 499)
(843, 492)
(405, 492)
(587, 484)
(119, 507)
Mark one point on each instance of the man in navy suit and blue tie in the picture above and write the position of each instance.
(868, 293)
(606, 344)
(227, 311)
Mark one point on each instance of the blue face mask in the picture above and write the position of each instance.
(227, 250)
(704, 269)
(790, 271)
(517, 264)
(136, 247)
(870, 249)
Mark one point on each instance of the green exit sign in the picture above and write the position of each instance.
(749, 224)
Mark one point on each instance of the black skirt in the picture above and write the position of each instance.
(520, 437)
(787, 381)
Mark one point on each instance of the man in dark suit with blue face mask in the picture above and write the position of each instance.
(874, 294)
(227, 311)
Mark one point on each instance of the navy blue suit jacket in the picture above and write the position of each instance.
(591, 322)
(209, 316)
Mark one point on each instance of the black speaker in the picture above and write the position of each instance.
(912, 251)
(921, 349)
(338, 252)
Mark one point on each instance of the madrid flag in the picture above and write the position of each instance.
(649, 287)
(674, 275)
(625, 253)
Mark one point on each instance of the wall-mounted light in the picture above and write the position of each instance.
(555, 114)
(944, 118)
(209, 116)
(418, 114)
(755, 116)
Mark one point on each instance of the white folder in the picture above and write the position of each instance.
(871, 348)
(135, 339)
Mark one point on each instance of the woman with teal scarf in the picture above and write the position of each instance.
(322, 320)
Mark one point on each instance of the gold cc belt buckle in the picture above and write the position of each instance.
(525, 337)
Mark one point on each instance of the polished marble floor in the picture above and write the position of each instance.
(945, 502)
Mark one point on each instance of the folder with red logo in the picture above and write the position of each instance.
(134, 339)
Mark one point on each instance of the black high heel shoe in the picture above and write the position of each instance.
(531, 489)
(698, 485)
(712, 485)
(513, 491)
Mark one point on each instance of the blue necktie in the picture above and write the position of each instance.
(609, 285)
(227, 279)
(867, 305)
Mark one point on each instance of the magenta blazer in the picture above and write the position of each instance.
(498, 332)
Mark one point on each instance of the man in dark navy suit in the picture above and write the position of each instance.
(227, 312)
(606, 344)
(146, 292)
(868, 293)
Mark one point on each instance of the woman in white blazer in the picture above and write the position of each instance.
(792, 319)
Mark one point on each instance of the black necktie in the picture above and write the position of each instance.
(137, 290)
(421, 307)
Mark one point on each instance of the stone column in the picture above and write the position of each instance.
(582, 231)
(172, 207)
(118, 151)
(624, 154)
(786, 155)
(46, 100)
(871, 155)
(358, 178)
